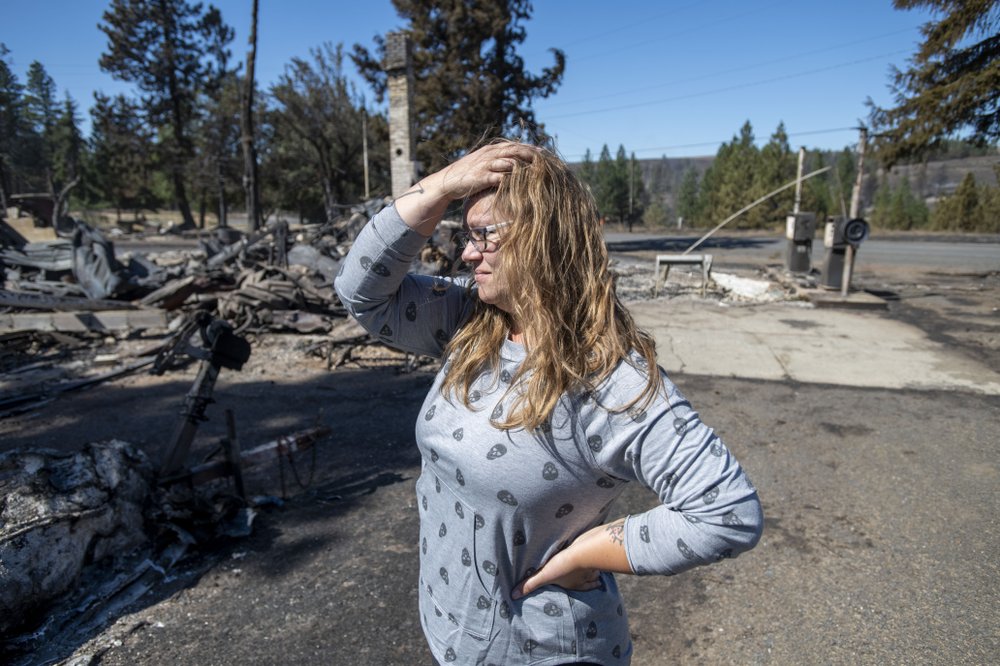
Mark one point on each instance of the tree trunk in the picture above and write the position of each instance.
(180, 145)
(223, 204)
(59, 198)
(3, 190)
(202, 206)
(180, 193)
(329, 201)
(247, 138)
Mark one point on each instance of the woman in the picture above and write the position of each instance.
(549, 402)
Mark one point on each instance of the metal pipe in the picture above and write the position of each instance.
(755, 203)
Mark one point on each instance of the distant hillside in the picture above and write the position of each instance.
(662, 176)
(935, 179)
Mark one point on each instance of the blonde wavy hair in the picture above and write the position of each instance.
(554, 266)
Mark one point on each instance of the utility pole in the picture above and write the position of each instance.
(631, 170)
(249, 151)
(798, 181)
(845, 281)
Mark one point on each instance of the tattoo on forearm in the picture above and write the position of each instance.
(616, 532)
(419, 190)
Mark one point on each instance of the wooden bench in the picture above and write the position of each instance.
(665, 261)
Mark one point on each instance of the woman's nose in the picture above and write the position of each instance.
(470, 253)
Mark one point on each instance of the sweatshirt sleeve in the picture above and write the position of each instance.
(414, 313)
(709, 509)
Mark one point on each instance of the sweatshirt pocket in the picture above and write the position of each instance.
(451, 561)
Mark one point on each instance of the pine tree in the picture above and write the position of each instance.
(318, 115)
(729, 184)
(816, 192)
(160, 45)
(951, 85)
(588, 171)
(470, 82)
(637, 197)
(618, 187)
(960, 211)
(67, 155)
(688, 197)
(11, 124)
(120, 146)
(777, 167)
(51, 140)
(845, 171)
(40, 114)
(898, 208)
(216, 129)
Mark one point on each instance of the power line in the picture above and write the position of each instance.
(645, 21)
(715, 91)
(731, 71)
(705, 144)
(678, 33)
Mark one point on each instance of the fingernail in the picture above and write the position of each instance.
(516, 594)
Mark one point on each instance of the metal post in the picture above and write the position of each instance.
(845, 280)
(195, 403)
(749, 206)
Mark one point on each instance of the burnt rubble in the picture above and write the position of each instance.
(70, 292)
(85, 532)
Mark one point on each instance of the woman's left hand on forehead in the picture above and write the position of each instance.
(484, 168)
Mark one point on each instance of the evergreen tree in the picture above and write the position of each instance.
(51, 140)
(40, 114)
(588, 171)
(951, 85)
(67, 155)
(778, 166)
(217, 127)
(845, 171)
(160, 46)
(611, 191)
(730, 184)
(638, 198)
(688, 197)
(470, 82)
(120, 146)
(655, 214)
(961, 211)
(318, 115)
(898, 208)
(11, 124)
(618, 187)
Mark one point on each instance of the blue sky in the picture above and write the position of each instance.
(671, 78)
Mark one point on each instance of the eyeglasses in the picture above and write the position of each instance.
(484, 239)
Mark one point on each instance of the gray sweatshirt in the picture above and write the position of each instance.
(496, 505)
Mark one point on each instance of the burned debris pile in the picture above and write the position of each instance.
(60, 511)
(76, 311)
(75, 290)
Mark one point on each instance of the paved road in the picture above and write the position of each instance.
(973, 254)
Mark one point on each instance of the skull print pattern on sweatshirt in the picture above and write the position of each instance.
(495, 505)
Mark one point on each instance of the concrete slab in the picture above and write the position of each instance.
(798, 342)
